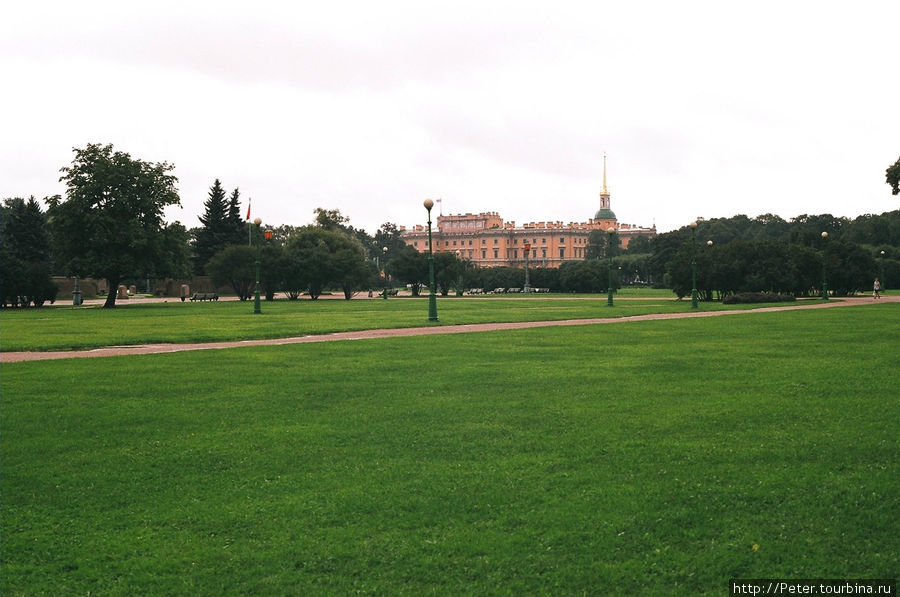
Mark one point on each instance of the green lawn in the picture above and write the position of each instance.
(63, 328)
(658, 457)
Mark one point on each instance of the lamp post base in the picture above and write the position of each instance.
(432, 307)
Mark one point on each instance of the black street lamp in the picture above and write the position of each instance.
(694, 264)
(257, 308)
(459, 273)
(824, 270)
(432, 300)
(384, 250)
(609, 245)
(527, 255)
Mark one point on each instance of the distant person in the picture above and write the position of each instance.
(877, 286)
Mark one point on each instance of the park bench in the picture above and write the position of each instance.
(205, 296)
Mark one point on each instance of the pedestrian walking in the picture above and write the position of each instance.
(877, 287)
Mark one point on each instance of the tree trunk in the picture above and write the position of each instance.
(113, 291)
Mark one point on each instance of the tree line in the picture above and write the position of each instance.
(110, 225)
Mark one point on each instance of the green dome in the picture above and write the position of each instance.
(605, 214)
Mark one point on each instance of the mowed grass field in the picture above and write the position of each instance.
(67, 328)
(641, 458)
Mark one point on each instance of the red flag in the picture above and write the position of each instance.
(248, 208)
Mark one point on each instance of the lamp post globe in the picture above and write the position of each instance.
(432, 300)
(824, 268)
(693, 226)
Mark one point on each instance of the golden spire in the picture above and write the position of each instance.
(604, 191)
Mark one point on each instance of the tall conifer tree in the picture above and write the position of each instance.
(214, 235)
(235, 222)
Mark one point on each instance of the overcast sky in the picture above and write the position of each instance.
(704, 109)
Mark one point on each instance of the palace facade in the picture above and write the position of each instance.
(488, 241)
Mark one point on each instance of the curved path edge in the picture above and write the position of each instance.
(110, 351)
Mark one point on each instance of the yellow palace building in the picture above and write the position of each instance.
(486, 240)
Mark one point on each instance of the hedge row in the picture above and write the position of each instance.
(757, 297)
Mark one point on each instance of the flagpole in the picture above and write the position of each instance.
(249, 224)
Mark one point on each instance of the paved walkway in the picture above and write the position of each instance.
(110, 351)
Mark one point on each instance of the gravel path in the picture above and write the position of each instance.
(110, 351)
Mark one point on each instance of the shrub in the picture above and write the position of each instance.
(757, 297)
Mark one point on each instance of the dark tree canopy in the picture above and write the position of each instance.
(331, 219)
(322, 256)
(222, 225)
(235, 266)
(24, 254)
(110, 224)
(409, 266)
(602, 244)
(892, 177)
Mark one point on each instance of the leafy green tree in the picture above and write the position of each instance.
(321, 257)
(851, 268)
(600, 245)
(446, 271)
(665, 247)
(874, 230)
(639, 244)
(24, 254)
(635, 268)
(234, 266)
(331, 219)
(110, 224)
(174, 258)
(892, 177)
(273, 263)
(590, 275)
(409, 266)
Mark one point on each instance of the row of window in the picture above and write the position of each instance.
(515, 241)
(454, 243)
(513, 254)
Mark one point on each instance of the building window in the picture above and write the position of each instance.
(496, 241)
(562, 252)
(483, 254)
(562, 239)
(495, 254)
(484, 241)
(543, 253)
(470, 242)
(543, 241)
(454, 243)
